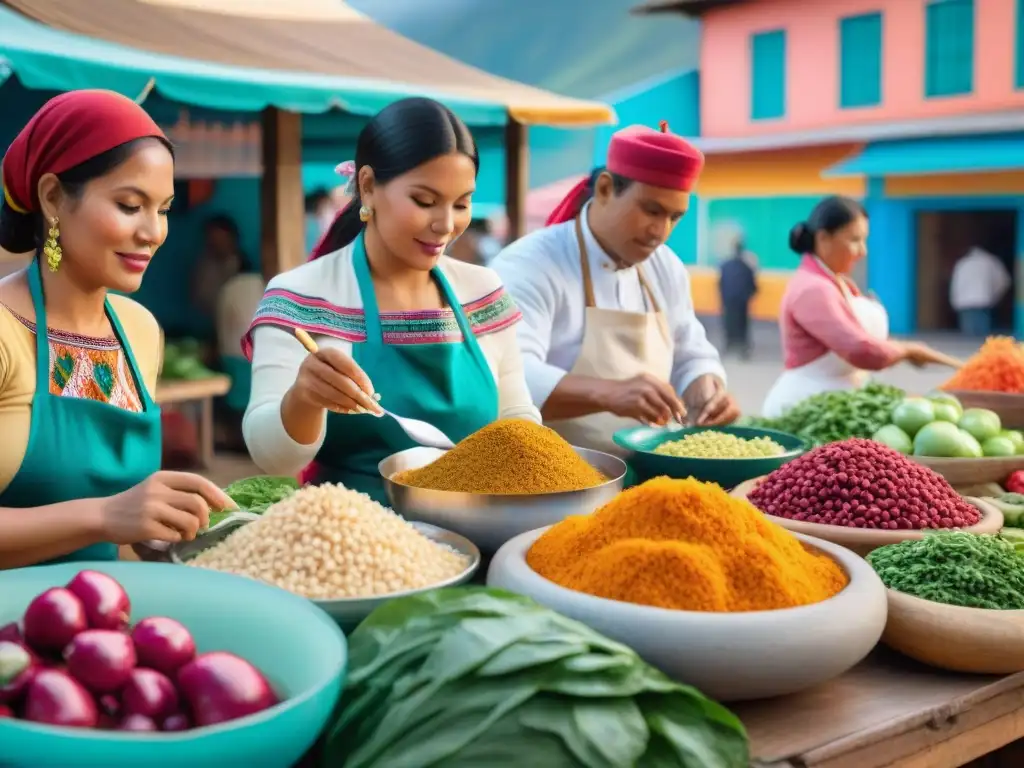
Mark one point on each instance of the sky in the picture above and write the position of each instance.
(583, 48)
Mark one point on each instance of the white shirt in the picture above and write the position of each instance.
(277, 354)
(542, 272)
(979, 281)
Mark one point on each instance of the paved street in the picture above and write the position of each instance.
(750, 380)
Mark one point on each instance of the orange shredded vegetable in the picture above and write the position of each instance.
(997, 367)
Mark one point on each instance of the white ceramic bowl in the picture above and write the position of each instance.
(727, 656)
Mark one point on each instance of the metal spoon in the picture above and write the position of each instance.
(420, 431)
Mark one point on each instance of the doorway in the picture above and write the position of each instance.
(942, 238)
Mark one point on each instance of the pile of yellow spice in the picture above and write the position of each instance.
(511, 457)
(688, 546)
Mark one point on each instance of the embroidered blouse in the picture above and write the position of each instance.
(80, 366)
(322, 297)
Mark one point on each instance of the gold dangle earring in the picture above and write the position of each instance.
(51, 248)
(365, 213)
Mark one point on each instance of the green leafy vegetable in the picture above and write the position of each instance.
(256, 494)
(829, 417)
(183, 361)
(954, 568)
(469, 677)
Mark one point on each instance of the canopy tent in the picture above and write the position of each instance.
(278, 56)
(49, 59)
(933, 155)
(325, 37)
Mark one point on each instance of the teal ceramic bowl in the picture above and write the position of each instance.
(728, 473)
(295, 644)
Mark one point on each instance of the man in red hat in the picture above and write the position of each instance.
(609, 336)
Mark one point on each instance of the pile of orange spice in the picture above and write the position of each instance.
(997, 367)
(684, 545)
(507, 457)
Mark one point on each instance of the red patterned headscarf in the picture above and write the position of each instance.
(66, 131)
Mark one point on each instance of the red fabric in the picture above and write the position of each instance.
(658, 158)
(66, 131)
(571, 204)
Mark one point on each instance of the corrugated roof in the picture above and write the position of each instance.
(958, 125)
(310, 36)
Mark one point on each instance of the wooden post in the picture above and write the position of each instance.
(282, 242)
(517, 177)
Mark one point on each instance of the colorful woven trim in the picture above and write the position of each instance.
(489, 314)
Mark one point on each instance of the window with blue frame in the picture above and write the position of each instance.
(768, 75)
(949, 48)
(1020, 44)
(860, 61)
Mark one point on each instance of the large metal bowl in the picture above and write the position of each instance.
(347, 612)
(489, 520)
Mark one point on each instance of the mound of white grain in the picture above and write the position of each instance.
(327, 542)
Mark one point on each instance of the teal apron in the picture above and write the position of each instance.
(78, 448)
(447, 385)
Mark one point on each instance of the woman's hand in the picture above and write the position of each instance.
(168, 506)
(328, 378)
(918, 354)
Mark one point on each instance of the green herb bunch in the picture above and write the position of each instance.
(829, 417)
(954, 568)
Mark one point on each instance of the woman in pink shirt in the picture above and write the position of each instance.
(832, 335)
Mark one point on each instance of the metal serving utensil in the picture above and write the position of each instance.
(420, 431)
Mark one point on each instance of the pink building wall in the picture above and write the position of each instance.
(812, 64)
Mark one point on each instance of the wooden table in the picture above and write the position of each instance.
(890, 712)
(201, 393)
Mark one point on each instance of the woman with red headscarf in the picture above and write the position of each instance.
(86, 186)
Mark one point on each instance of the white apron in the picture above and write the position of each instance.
(617, 345)
(829, 372)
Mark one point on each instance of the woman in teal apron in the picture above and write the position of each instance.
(454, 364)
(82, 471)
(447, 385)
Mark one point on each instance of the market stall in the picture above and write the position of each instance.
(197, 394)
(843, 607)
(297, 43)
